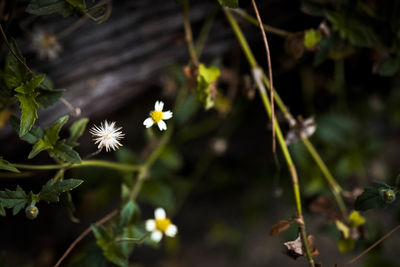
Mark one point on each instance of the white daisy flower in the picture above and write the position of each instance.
(161, 225)
(107, 135)
(157, 116)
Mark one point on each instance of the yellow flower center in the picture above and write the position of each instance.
(156, 115)
(162, 224)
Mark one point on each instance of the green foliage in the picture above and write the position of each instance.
(15, 200)
(28, 106)
(378, 195)
(32, 136)
(206, 85)
(111, 250)
(5, 165)
(49, 140)
(76, 130)
(81, 4)
(47, 7)
(127, 213)
(229, 3)
(51, 190)
(312, 38)
(48, 97)
(15, 73)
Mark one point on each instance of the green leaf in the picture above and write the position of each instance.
(52, 134)
(111, 250)
(39, 147)
(15, 200)
(48, 97)
(373, 197)
(51, 191)
(32, 136)
(65, 152)
(5, 165)
(47, 7)
(14, 72)
(171, 158)
(30, 86)
(205, 87)
(311, 38)
(157, 194)
(76, 130)
(77, 3)
(229, 3)
(28, 106)
(355, 219)
(127, 213)
(346, 245)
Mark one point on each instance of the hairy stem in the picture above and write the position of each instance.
(257, 74)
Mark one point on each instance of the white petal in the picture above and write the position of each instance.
(150, 225)
(148, 122)
(159, 105)
(172, 230)
(167, 115)
(156, 236)
(159, 213)
(161, 124)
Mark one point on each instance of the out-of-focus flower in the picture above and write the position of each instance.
(46, 44)
(107, 135)
(301, 128)
(157, 116)
(160, 225)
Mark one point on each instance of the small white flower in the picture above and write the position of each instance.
(46, 44)
(157, 116)
(107, 135)
(161, 225)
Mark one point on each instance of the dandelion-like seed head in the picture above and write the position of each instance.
(158, 116)
(160, 225)
(107, 135)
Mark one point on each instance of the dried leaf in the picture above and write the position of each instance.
(294, 248)
(279, 227)
(313, 248)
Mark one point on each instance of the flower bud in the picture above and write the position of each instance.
(31, 212)
(388, 195)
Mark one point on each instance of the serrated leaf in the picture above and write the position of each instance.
(52, 134)
(77, 3)
(229, 3)
(127, 213)
(51, 191)
(111, 250)
(15, 200)
(5, 165)
(14, 72)
(40, 146)
(28, 106)
(32, 136)
(371, 197)
(311, 38)
(355, 219)
(47, 7)
(30, 86)
(76, 130)
(65, 152)
(48, 97)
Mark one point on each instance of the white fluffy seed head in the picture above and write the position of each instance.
(107, 135)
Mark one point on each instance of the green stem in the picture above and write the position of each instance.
(266, 27)
(84, 163)
(147, 164)
(253, 63)
(335, 187)
(188, 33)
(257, 74)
